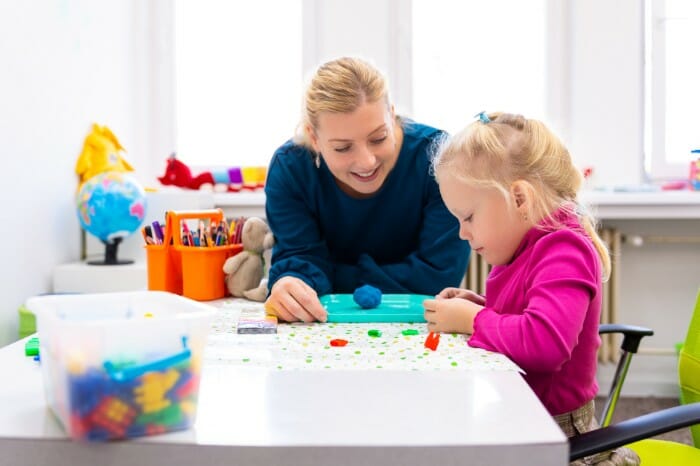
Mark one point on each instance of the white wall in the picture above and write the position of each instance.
(65, 64)
(606, 114)
(658, 285)
(375, 30)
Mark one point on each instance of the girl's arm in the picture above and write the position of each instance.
(560, 286)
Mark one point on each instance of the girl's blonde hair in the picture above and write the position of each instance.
(503, 148)
(340, 86)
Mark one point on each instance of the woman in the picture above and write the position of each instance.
(351, 200)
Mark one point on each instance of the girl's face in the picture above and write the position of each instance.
(493, 226)
(360, 148)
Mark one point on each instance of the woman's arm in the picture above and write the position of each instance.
(299, 250)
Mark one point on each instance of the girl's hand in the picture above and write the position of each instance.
(461, 293)
(291, 300)
(451, 315)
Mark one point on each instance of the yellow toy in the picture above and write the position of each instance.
(101, 153)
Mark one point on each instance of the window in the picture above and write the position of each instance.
(470, 56)
(672, 93)
(239, 69)
(238, 79)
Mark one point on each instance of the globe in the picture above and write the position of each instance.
(111, 206)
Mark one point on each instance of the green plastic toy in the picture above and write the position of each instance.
(393, 308)
(31, 347)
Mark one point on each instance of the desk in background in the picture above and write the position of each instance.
(658, 205)
(606, 205)
(414, 411)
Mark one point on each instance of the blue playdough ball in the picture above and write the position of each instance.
(367, 296)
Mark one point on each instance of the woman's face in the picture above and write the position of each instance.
(360, 148)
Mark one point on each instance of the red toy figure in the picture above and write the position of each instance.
(179, 174)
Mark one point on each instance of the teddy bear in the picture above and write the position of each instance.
(245, 271)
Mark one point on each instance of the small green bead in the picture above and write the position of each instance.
(374, 333)
(410, 331)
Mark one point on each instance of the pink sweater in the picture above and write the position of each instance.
(543, 310)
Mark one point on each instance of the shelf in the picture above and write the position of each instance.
(244, 203)
(643, 205)
(80, 277)
(604, 205)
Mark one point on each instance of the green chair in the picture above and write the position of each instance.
(27, 321)
(689, 367)
(640, 429)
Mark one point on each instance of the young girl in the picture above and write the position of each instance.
(512, 186)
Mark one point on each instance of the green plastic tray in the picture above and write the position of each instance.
(393, 308)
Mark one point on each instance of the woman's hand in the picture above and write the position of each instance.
(461, 293)
(451, 315)
(291, 300)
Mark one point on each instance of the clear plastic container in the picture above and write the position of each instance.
(121, 365)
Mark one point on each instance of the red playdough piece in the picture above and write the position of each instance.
(339, 342)
(432, 341)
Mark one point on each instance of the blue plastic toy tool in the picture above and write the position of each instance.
(393, 308)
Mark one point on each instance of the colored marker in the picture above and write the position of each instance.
(158, 232)
(146, 232)
(186, 231)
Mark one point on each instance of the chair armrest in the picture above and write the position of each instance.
(634, 429)
(632, 334)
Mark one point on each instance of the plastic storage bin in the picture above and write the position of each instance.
(192, 271)
(121, 365)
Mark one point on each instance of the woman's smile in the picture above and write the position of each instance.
(366, 177)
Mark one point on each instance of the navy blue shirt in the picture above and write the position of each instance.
(402, 239)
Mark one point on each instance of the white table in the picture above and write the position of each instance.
(253, 413)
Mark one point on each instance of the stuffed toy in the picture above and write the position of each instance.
(101, 152)
(245, 271)
(179, 174)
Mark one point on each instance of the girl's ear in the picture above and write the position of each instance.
(521, 191)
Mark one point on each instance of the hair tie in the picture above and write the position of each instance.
(483, 117)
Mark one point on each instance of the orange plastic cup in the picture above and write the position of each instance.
(203, 277)
(164, 268)
(163, 264)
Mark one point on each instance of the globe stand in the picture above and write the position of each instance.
(111, 254)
